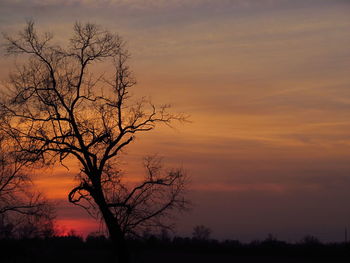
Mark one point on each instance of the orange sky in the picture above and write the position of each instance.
(267, 86)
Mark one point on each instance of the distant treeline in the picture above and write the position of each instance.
(155, 249)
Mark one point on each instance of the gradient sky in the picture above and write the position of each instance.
(267, 85)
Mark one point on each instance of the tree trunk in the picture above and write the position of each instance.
(118, 239)
(116, 235)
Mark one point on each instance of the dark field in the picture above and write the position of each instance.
(179, 250)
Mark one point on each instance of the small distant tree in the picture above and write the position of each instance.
(6, 227)
(57, 109)
(36, 226)
(165, 235)
(270, 238)
(95, 237)
(310, 240)
(72, 233)
(201, 233)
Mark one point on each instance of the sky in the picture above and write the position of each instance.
(267, 86)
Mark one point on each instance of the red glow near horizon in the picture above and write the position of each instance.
(78, 227)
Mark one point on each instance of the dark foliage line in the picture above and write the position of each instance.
(73, 248)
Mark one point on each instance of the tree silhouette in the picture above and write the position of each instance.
(201, 233)
(23, 212)
(57, 109)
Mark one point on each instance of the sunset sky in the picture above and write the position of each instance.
(267, 86)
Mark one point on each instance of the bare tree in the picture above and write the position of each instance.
(20, 206)
(57, 109)
(28, 225)
(201, 233)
